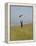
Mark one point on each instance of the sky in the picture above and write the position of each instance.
(16, 11)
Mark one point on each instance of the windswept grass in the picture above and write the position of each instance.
(18, 33)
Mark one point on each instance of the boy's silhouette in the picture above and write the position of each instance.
(21, 23)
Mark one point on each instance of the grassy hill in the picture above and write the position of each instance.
(18, 33)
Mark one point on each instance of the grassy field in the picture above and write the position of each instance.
(18, 33)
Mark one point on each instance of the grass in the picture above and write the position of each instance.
(18, 33)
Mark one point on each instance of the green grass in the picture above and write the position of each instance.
(18, 33)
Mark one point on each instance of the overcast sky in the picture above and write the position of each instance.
(16, 11)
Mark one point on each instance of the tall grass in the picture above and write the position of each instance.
(18, 33)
